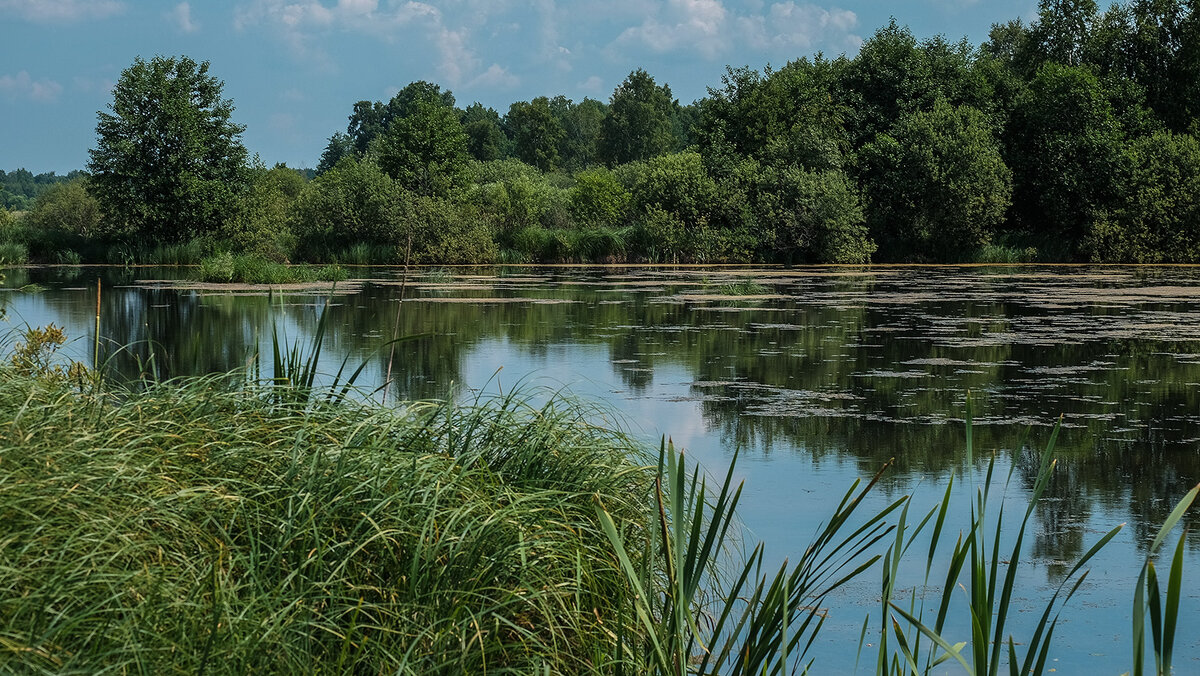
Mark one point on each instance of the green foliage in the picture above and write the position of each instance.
(13, 253)
(937, 186)
(535, 132)
(249, 269)
(815, 216)
(581, 123)
(262, 223)
(599, 199)
(638, 124)
(370, 120)
(789, 109)
(1065, 150)
(425, 150)
(67, 207)
(168, 162)
(1158, 218)
(485, 138)
(340, 145)
(446, 232)
(353, 202)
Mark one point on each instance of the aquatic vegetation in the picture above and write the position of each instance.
(744, 287)
(13, 253)
(242, 269)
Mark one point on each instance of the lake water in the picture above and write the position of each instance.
(820, 379)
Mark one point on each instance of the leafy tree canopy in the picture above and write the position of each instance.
(168, 162)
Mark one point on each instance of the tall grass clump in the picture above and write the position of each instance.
(250, 269)
(200, 527)
(13, 253)
(968, 621)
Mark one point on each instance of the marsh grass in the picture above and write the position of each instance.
(250, 269)
(198, 526)
(744, 287)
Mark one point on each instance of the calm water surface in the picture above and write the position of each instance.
(820, 380)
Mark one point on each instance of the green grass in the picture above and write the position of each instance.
(201, 527)
(745, 287)
(13, 253)
(249, 269)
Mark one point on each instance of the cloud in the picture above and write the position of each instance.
(790, 26)
(21, 86)
(710, 29)
(592, 85)
(51, 11)
(181, 16)
(301, 24)
(692, 24)
(495, 77)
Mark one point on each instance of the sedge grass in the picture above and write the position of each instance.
(197, 526)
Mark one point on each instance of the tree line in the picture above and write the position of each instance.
(1072, 138)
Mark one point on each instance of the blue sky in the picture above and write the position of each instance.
(295, 67)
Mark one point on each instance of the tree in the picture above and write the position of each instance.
(168, 163)
(581, 126)
(425, 150)
(262, 223)
(339, 146)
(67, 207)
(1065, 152)
(1062, 30)
(936, 184)
(1158, 219)
(485, 138)
(370, 120)
(353, 202)
(638, 125)
(535, 132)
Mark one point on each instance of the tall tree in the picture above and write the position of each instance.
(1063, 28)
(425, 150)
(485, 138)
(169, 162)
(535, 132)
(936, 184)
(1065, 150)
(370, 120)
(638, 125)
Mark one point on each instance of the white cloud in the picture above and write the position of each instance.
(300, 23)
(181, 16)
(592, 85)
(693, 24)
(49, 11)
(22, 86)
(710, 29)
(788, 25)
(495, 77)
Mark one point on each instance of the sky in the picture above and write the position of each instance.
(294, 68)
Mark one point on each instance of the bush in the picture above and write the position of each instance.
(261, 225)
(599, 200)
(1159, 219)
(937, 187)
(353, 202)
(67, 207)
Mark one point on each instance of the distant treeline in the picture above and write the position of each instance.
(1073, 138)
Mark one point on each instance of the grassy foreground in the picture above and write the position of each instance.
(201, 527)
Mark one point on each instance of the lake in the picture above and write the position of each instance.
(819, 377)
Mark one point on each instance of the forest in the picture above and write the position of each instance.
(1072, 138)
